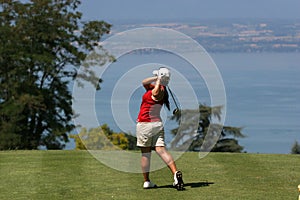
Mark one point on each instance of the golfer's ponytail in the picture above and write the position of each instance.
(166, 98)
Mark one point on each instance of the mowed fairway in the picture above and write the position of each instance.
(77, 175)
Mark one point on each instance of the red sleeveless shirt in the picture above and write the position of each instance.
(149, 109)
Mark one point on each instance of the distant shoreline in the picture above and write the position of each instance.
(230, 35)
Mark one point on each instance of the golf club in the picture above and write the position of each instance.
(176, 110)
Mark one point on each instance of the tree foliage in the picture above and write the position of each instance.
(295, 148)
(199, 131)
(42, 45)
(103, 138)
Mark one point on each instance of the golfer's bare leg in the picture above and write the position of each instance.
(167, 158)
(145, 162)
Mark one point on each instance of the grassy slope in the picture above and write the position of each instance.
(77, 175)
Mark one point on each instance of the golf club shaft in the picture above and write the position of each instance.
(173, 97)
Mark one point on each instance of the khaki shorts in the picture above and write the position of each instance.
(150, 134)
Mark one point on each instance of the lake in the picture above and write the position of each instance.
(262, 94)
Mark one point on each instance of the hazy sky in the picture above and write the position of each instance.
(118, 10)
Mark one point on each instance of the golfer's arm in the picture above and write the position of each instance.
(147, 84)
(156, 89)
(149, 80)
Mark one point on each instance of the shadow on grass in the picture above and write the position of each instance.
(192, 185)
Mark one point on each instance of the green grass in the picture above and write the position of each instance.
(77, 175)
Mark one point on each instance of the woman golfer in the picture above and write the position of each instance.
(150, 130)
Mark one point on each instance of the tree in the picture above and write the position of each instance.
(93, 139)
(195, 126)
(103, 138)
(295, 148)
(42, 45)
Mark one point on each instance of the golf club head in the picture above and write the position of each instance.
(176, 111)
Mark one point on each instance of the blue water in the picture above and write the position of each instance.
(262, 90)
